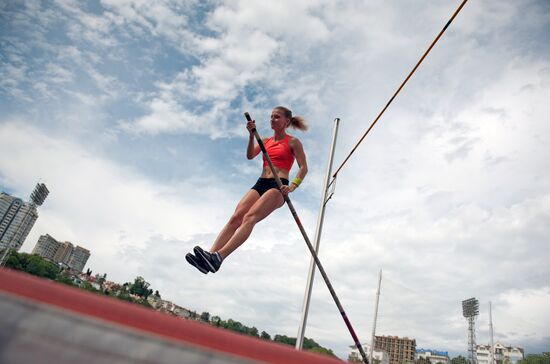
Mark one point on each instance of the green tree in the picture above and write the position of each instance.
(321, 350)
(252, 331)
(32, 264)
(205, 316)
(284, 340)
(140, 287)
(65, 279)
(88, 287)
(14, 261)
(536, 359)
(100, 279)
(460, 360)
(309, 344)
(264, 335)
(216, 321)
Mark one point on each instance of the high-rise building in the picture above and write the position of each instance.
(74, 257)
(16, 220)
(78, 258)
(64, 252)
(18, 217)
(46, 247)
(400, 350)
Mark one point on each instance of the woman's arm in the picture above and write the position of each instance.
(300, 155)
(252, 149)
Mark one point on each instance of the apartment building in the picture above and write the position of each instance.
(400, 350)
(434, 356)
(502, 354)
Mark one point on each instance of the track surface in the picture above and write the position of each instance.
(46, 322)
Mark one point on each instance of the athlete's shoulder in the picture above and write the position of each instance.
(293, 141)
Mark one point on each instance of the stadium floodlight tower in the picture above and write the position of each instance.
(470, 310)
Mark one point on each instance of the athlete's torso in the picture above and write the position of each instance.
(281, 156)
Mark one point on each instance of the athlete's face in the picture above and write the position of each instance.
(278, 120)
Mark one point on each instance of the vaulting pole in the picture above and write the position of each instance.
(308, 243)
(401, 86)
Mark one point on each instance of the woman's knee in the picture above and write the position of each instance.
(236, 219)
(249, 219)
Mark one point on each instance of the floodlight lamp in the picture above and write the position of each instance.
(470, 307)
(39, 194)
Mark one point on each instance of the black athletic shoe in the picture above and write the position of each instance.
(211, 260)
(196, 262)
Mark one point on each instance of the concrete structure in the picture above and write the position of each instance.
(434, 356)
(78, 258)
(17, 218)
(46, 247)
(16, 221)
(378, 356)
(64, 253)
(168, 307)
(51, 323)
(400, 350)
(503, 354)
(74, 257)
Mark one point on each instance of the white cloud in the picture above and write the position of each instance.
(448, 194)
(96, 203)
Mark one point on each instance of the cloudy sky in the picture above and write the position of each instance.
(131, 112)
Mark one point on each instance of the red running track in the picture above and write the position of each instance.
(199, 336)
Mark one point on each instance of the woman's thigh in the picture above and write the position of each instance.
(269, 202)
(246, 202)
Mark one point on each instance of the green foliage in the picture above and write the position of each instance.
(264, 335)
(536, 359)
(144, 302)
(125, 297)
(100, 279)
(459, 360)
(65, 279)
(140, 287)
(321, 350)
(285, 340)
(87, 286)
(215, 320)
(309, 344)
(205, 316)
(38, 266)
(32, 264)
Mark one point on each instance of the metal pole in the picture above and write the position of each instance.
(310, 247)
(492, 361)
(320, 218)
(372, 340)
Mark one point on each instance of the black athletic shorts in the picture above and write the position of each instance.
(265, 184)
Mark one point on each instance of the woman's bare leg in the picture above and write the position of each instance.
(247, 201)
(265, 205)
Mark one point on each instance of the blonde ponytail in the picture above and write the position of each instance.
(296, 122)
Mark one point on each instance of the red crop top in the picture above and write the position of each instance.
(279, 152)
